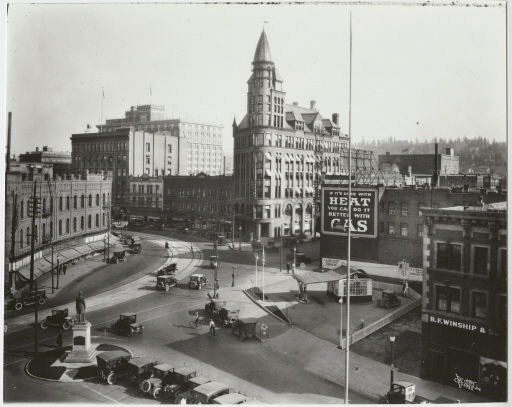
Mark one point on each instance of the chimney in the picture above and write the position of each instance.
(37, 149)
(45, 148)
(435, 177)
(313, 105)
(295, 103)
(336, 118)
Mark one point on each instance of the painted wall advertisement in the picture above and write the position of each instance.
(363, 222)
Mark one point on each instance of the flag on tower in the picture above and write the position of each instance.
(102, 93)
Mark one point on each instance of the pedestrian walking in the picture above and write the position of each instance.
(288, 268)
(406, 288)
(64, 269)
(59, 340)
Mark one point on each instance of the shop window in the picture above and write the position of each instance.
(391, 228)
(448, 299)
(391, 208)
(420, 230)
(449, 256)
(404, 229)
(479, 305)
(480, 259)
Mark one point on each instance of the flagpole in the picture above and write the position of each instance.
(263, 272)
(347, 332)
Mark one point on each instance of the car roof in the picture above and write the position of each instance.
(112, 354)
(59, 309)
(142, 361)
(200, 380)
(128, 314)
(231, 398)
(403, 383)
(184, 371)
(388, 291)
(164, 367)
(196, 275)
(211, 388)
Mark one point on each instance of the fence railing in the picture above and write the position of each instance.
(367, 330)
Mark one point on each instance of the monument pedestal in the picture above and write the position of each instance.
(82, 351)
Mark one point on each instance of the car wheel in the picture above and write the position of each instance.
(157, 393)
(129, 332)
(177, 397)
(232, 320)
(145, 386)
(44, 325)
(132, 377)
(66, 325)
(112, 378)
(18, 306)
(192, 284)
(167, 287)
(42, 301)
(167, 391)
(241, 337)
(250, 334)
(383, 401)
(181, 400)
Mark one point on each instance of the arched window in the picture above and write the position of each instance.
(74, 224)
(21, 239)
(82, 201)
(22, 211)
(97, 223)
(60, 227)
(60, 203)
(82, 223)
(44, 204)
(97, 199)
(103, 201)
(89, 218)
(90, 200)
(75, 202)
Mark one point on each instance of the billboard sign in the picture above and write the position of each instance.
(363, 222)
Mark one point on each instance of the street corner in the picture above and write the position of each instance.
(51, 366)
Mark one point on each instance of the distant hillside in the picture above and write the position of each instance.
(473, 153)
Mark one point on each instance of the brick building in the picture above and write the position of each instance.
(400, 224)
(60, 160)
(74, 208)
(464, 310)
(147, 197)
(280, 151)
(199, 202)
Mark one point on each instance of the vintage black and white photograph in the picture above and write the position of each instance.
(255, 202)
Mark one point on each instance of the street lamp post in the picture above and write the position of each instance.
(256, 257)
(240, 236)
(58, 271)
(392, 340)
(293, 266)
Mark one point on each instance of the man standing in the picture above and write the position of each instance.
(212, 327)
(406, 288)
(64, 269)
(288, 268)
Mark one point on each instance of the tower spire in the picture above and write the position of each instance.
(262, 49)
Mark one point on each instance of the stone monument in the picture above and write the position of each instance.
(82, 351)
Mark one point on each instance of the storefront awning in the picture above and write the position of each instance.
(297, 189)
(268, 156)
(97, 245)
(84, 249)
(313, 278)
(287, 158)
(69, 254)
(268, 173)
(42, 265)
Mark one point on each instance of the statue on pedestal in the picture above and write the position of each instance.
(80, 307)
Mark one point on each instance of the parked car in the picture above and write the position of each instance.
(197, 281)
(136, 249)
(127, 324)
(204, 394)
(272, 247)
(214, 262)
(59, 318)
(140, 369)
(162, 376)
(171, 269)
(231, 398)
(403, 392)
(166, 282)
(257, 245)
(28, 297)
(300, 257)
(180, 382)
(389, 299)
(117, 257)
(244, 328)
(112, 365)
(213, 306)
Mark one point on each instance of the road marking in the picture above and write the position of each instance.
(97, 392)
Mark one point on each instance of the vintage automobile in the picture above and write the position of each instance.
(28, 298)
(112, 365)
(300, 257)
(389, 299)
(162, 376)
(169, 270)
(256, 245)
(231, 398)
(117, 257)
(180, 382)
(58, 318)
(403, 392)
(272, 247)
(214, 262)
(140, 369)
(213, 305)
(292, 242)
(127, 324)
(226, 316)
(166, 282)
(136, 249)
(192, 383)
(203, 394)
(197, 281)
(244, 328)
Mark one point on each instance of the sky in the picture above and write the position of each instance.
(417, 72)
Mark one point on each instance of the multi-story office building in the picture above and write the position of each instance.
(464, 310)
(60, 160)
(74, 209)
(280, 151)
(147, 197)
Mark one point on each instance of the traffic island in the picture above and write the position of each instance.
(51, 366)
(257, 296)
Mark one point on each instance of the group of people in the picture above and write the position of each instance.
(211, 326)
